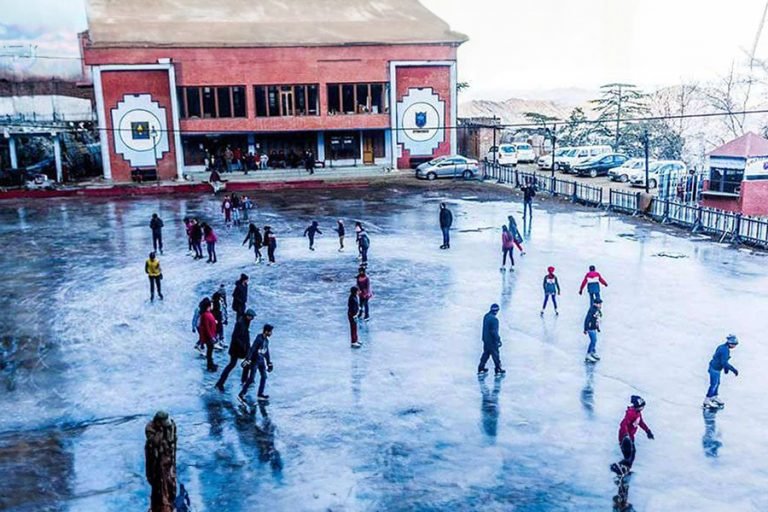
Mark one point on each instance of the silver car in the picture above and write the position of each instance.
(454, 166)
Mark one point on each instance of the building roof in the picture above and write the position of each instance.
(748, 145)
(254, 23)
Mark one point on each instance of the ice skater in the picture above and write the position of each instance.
(551, 289)
(718, 364)
(365, 293)
(238, 347)
(240, 296)
(254, 239)
(210, 242)
(188, 228)
(507, 249)
(220, 313)
(491, 343)
(271, 242)
(156, 225)
(311, 231)
(358, 230)
(364, 243)
(529, 192)
(592, 280)
(155, 274)
(257, 359)
(353, 309)
(226, 209)
(591, 328)
(207, 333)
(341, 232)
(633, 418)
(446, 220)
(516, 236)
(196, 235)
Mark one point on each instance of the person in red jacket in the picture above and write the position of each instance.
(507, 248)
(364, 292)
(592, 280)
(207, 332)
(633, 418)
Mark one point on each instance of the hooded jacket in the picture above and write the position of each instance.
(507, 240)
(240, 296)
(491, 338)
(156, 224)
(628, 426)
(241, 339)
(446, 218)
(592, 280)
(720, 359)
(592, 320)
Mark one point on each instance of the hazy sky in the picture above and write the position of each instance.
(520, 45)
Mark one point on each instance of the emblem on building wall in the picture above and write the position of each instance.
(140, 130)
(421, 121)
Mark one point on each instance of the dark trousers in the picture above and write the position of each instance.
(157, 241)
(219, 316)
(261, 366)
(490, 352)
(364, 254)
(446, 236)
(311, 241)
(628, 452)
(239, 312)
(257, 251)
(197, 245)
(209, 353)
(594, 293)
(154, 281)
(352, 327)
(271, 253)
(363, 308)
(547, 296)
(527, 208)
(227, 370)
(211, 246)
(504, 253)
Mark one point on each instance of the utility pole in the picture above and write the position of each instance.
(645, 148)
(495, 149)
(553, 137)
(618, 121)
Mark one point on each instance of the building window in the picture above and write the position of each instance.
(343, 145)
(286, 100)
(725, 180)
(366, 98)
(212, 102)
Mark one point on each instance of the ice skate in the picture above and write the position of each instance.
(500, 372)
(590, 359)
(356, 345)
(716, 400)
(262, 398)
(482, 372)
(542, 313)
(595, 356)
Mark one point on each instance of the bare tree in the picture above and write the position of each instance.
(731, 96)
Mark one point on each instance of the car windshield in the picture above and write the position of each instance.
(561, 152)
(524, 147)
(507, 149)
(572, 152)
(437, 160)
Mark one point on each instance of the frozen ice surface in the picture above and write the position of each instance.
(403, 423)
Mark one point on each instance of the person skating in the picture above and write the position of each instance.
(207, 332)
(240, 296)
(226, 209)
(491, 342)
(210, 242)
(592, 280)
(507, 249)
(529, 192)
(220, 313)
(199, 346)
(188, 229)
(311, 231)
(238, 346)
(516, 236)
(633, 418)
(257, 359)
(155, 274)
(196, 235)
(156, 225)
(551, 288)
(271, 242)
(341, 232)
(365, 293)
(591, 328)
(718, 364)
(365, 244)
(254, 239)
(446, 220)
(358, 230)
(236, 206)
(353, 309)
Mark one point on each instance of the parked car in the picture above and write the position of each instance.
(656, 172)
(580, 154)
(504, 154)
(453, 166)
(39, 182)
(599, 165)
(545, 161)
(525, 152)
(621, 174)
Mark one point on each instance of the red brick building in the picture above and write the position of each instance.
(738, 176)
(355, 82)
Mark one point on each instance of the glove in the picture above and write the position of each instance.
(585, 333)
(650, 435)
(725, 370)
(245, 364)
(735, 372)
(270, 367)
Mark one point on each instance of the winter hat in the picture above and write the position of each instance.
(494, 307)
(162, 418)
(251, 313)
(551, 270)
(732, 339)
(243, 277)
(637, 401)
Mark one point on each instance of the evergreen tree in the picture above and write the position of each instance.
(618, 102)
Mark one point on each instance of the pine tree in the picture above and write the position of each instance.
(618, 102)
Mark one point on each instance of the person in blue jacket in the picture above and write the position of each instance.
(718, 364)
(491, 342)
(257, 359)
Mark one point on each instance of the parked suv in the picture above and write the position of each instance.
(599, 165)
(504, 154)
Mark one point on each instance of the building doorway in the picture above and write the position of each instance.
(368, 154)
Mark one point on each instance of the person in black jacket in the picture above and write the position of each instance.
(591, 328)
(341, 231)
(254, 239)
(446, 220)
(240, 296)
(491, 342)
(353, 308)
(196, 234)
(156, 225)
(310, 232)
(271, 242)
(257, 359)
(219, 310)
(238, 347)
(529, 192)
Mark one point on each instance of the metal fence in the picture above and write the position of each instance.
(724, 226)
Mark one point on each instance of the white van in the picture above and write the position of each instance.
(579, 154)
(525, 152)
(545, 161)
